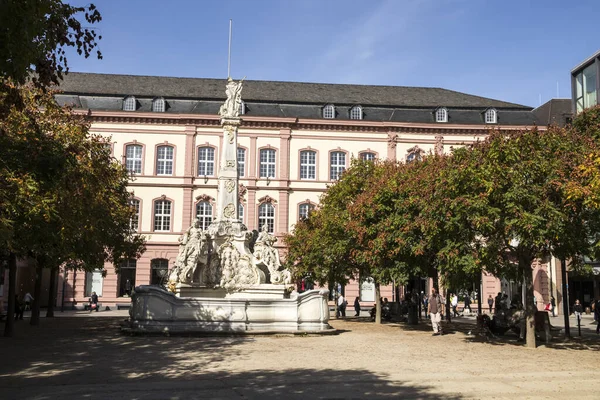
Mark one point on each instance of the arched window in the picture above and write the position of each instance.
(337, 164)
(204, 214)
(491, 116)
(367, 156)
(127, 270)
(308, 164)
(266, 215)
(129, 104)
(158, 104)
(304, 210)
(267, 163)
(162, 215)
(206, 161)
(133, 158)
(164, 160)
(329, 111)
(134, 223)
(241, 161)
(441, 115)
(356, 112)
(160, 268)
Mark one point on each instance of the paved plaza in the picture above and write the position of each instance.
(83, 356)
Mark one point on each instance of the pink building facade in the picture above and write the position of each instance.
(294, 140)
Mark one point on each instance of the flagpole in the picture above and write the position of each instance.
(229, 53)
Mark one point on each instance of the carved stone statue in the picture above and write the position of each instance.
(237, 270)
(193, 251)
(231, 107)
(266, 254)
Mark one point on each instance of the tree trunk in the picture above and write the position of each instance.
(52, 293)
(37, 294)
(479, 307)
(530, 309)
(377, 304)
(448, 308)
(12, 291)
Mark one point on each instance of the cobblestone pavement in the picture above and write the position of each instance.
(84, 356)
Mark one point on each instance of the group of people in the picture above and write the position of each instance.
(22, 305)
(342, 303)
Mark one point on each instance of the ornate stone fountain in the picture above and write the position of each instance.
(217, 283)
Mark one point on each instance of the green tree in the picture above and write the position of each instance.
(35, 34)
(65, 200)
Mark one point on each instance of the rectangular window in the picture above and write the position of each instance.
(304, 210)
(127, 277)
(159, 268)
(133, 158)
(164, 160)
(367, 156)
(266, 215)
(337, 164)
(589, 86)
(93, 283)
(241, 161)
(204, 214)
(267, 163)
(206, 161)
(308, 165)
(241, 212)
(162, 215)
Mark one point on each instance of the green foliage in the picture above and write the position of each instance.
(35, 34)
(63, 198)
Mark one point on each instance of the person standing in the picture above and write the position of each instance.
(94, 302)
(454, 303)
(435, 310)
(341, 306)
(490, 303)
(577, 310)
(18, 308)
(28, 299)
(553, 304)
(356, 307)
(467, 304)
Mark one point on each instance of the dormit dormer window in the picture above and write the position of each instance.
(441, 114)
(242, 108)
(158, 104)
(491, 116)
(356, 112)
(329, 111)
(129, 104)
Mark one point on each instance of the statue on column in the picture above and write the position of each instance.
(231, 107)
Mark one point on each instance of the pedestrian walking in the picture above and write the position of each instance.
(553, 304)
(28, 299)
(490, 303)
(467, 304)
(18, 308)
(356, 307)
(454, 303)
(435, 311)
(577, 310)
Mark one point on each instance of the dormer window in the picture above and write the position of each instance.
(441, 114)
(242, 108)
(356, 112)
(158, 105)
(329, 111)
(129, 104)
(491, 117)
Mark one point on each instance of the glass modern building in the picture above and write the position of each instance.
(584, 83)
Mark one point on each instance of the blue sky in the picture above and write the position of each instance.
(511, 50)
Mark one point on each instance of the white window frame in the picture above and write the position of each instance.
(129, 103)
(329, 111)
(267, 165)
(204, 214)
(242, 108)
(162, 215)
(266, 214)
(441, 114)
(491, 116)
(134, 223)
(304, 210)
(158, 105)
(356, 112)
(368, 156)
(335, 166)
(241, 162)
(164, 161)
(206, 161)
(133, 161)
(308, 165)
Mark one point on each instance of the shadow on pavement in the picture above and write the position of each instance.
(88, 358)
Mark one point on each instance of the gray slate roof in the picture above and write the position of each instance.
(554, 112)
(276, 92)
(286, 99)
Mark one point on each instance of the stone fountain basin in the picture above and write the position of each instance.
(257, 309)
